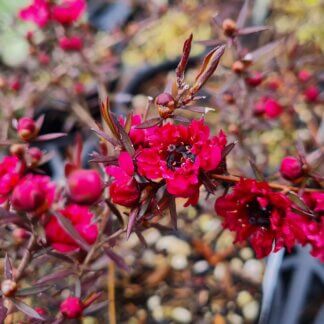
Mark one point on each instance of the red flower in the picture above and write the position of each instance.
(81, 218)
(178, 154)
(73, 43)
(71, 307)
(254, 79)
(34, 193)
(261, 216)
(124, 190)
(312, 93)
(268, 107)
(11, 170)
(68, 11)
(26, 128)
(38, 12)
(291, 168)
(85, 186)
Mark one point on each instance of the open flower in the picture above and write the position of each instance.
(11, 171)
(68, 11)
(124, 190)
(38, 12)
(262, 217)
(34, 193)
(81, 218)
(178, 154)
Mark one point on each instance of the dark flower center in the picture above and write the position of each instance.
(258, 215)
(178, 154)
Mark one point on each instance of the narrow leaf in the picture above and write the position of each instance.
(77, 152)
(128, 123)
(149, 123)
(116, 212)
(26, 309)
(8, 268)
(118, 260)
(257, 173)
(32, 291)
(124, 138)
(107, 116)
(95, 307)
(198, 109)
(106, 137)
(49, 137)
(298, 201)
(70, 230)
(131, 222)
(98, 158)
(184, 59)
(61, 274)
(40, 121)
(262, 51)
(227, 149)
(182, 119)
(252, 30)
(3, 311)
(242, 16)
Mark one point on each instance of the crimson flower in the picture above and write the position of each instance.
(261, 216)
(81, 218)
(124, 190)
(179, 154)
(73, 43)
(38, 12)
(68, 11)
(11, 171)
(268, 107)
(34, 193)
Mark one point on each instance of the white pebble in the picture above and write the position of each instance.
(253, 269)
(243, 298)
(179, 262)
(151, 236)
(173, 245)
(246, 253)
(153, 302)
(181, 315)
(200, 267)
(158, 314)
(251, 310)
(220, 271)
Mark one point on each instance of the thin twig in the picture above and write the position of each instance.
(111, 293)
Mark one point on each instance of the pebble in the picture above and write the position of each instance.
(200, 267)
(225, 241)
(251, 310)
(181, 315)
(243, 298)
(236, 265)
(173, 245)
(153, 302)
(253, 269)
(179, 262)
(151, 236)
(220, 271)
(208, 223)
(158, 314)
(246, 253)
(234, 318)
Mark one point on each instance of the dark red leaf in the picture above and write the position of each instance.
(149, 123)
(243, 14)
(32, 291)
(56, 276)
(182, 119)
(70, 230)
(227, 149)
(3, 311)
(131, 222)
(26, 309)
(128, 123)
(107, 160)
(173, 213)
(39, 122)
(8, 268)
(109, 139)
(108, 117)
(257, 173)
(118, 260)
(184, 59)
(116, 212)
(95, 307)
(252, 30)
(69, 168)
(124, 138)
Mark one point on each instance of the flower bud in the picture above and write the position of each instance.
(291, 168)
(254, 79)
(125, 193)
(165, 104)
(20, 235)
(8, 287)
(85, 186)
(71, 307)
(33, 193)
(35, 155)
(311, 93)
(304, 75)
(73, 43)
(229, 27)
(238, 67)
(26, 128)
(17, 149)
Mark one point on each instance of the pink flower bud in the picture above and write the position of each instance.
(35, 155)
(67, 12)
(43, 58)
(291, 168)
(34, 193)
(8, 287)
(311, 93)
(85, 186)
(20, 234)
(272, 108)
(26, 128)
(304, 75)
(165, 104)
(254, 79)
(71, 307)
(73, 43)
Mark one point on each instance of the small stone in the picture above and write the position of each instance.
(200, 267)
(243, 298)
(236, 265)
(203, 297)
(234, 318)
(153, 302)
(251, 310)
(253, 269)
(158, 314)
(246, 253)
(173, 245)
(179, 262)
(181, 315)
(208, 223)
(220, 271)
(151, 236)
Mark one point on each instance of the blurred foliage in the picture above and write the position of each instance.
(163, 39)
(304, 17)
(12, 31)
